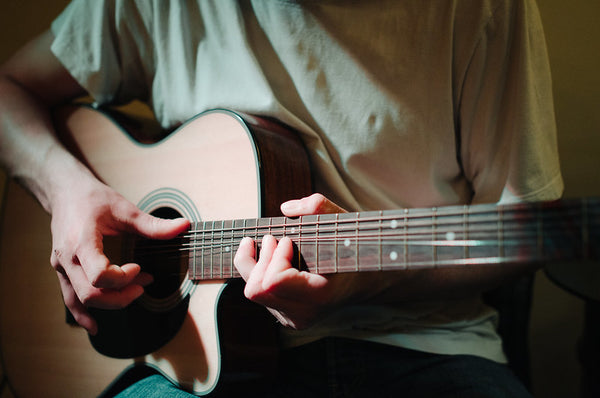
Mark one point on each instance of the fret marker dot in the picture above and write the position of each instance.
(393, 256)
(450, 235)
(227, 249)
(394, 224)
(293, 230)
(347, 242)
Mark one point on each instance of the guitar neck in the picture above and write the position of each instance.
(409, 238)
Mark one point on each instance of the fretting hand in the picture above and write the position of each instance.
(296, 298)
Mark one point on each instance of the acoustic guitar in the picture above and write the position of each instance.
(228, 173)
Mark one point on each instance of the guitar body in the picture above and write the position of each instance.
(201, 335)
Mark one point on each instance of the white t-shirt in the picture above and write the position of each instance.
(410, 103)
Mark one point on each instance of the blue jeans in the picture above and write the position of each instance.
(347, 368)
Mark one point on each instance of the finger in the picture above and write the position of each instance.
(244, 259)
(147, 225)
(91, 296)
(78, 310)
(313, 204)
(254, 289)
(280, 261)
(99, 270)
(268, 245)
(159, 228)
(286, 282)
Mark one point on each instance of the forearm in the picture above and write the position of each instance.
(32, 82)
(29, 149)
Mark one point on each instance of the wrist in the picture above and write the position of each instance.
(60, 175)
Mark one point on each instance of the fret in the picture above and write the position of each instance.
(406, 255)
(221, 249)
(379, 242)
(244, 233)
(335, 243)
(194, 244)
(325, 251)
(239, 231)
(500, 229)
(206, 251)
(251, 230)
(300, 254)
(212, 250)
(263, 227)
(466, 254)
(277, 228)
(356, 252)
(270, 226)
(393, 241)
(369, 240)
(226, 243)
(307, 232)
(419, 243)
(318, 224)
(448, 238)
(346, 247)
(433, 236)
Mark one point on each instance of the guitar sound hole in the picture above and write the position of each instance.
(162, 259)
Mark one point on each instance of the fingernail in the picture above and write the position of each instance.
(289, 206)
(246, 241)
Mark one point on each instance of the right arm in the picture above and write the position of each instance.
(83, 209)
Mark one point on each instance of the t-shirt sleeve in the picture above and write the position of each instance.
(506, 114)
(106, 52)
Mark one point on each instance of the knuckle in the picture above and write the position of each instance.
(61, 256)
(55, 261)
(253, 293)
(87, 297)
(269, 285)
(317, 202)
(125, 210)
(97, 278)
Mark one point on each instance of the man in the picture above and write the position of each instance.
(400, 104)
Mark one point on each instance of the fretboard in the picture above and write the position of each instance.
(475, 235)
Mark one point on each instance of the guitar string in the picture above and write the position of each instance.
(482, 237)
(478, 237)
(415, 215)
(413, 237)
(305, 229)
(228, 240)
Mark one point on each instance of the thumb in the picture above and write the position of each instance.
(313, 204)
(158, 228)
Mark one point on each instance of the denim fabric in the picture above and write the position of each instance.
(348, 368)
